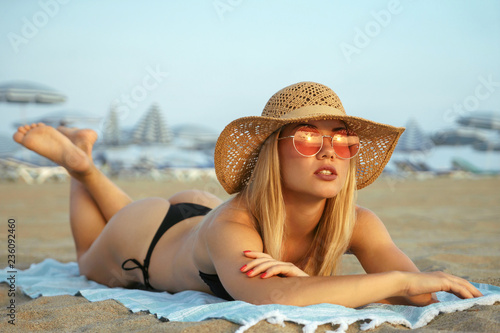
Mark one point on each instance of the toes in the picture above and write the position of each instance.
(18, 136)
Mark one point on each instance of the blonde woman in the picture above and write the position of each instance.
(295, 171)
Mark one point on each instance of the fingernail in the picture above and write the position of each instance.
(250, 272)
(247, 251)
(243, 268)
(263, 275)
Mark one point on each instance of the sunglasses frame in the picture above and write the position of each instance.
(322, 143)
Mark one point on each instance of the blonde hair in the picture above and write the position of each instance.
(264, 200)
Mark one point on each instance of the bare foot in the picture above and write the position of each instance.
(82, 138)
(50, 143)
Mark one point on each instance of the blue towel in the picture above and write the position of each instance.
(52, 278)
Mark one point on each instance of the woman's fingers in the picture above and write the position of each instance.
(255, 254)
(265, 266)
(258, 266)
(439, 281)
(459, 287)
(259, 258)
(477, 293)
(473, 290)
(463, 289)
(286, 269)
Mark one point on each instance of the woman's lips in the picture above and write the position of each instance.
(326, 173)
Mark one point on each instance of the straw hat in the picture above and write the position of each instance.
(239, 144)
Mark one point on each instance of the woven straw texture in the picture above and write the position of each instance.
(239, 144)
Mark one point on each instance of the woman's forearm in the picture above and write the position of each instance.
(356, 290)
(349, 290)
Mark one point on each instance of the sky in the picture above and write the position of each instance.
(208, 62)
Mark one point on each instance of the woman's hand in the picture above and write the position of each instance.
(265, 265)
(418, 287)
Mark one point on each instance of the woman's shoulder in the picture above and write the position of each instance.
(368, 228)
(232, 213)
(229, 228)
(365, 215)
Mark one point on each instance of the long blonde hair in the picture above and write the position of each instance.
(264, 200)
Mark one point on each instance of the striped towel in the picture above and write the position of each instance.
(52, 278)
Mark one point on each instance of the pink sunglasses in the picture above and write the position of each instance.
(308, 141)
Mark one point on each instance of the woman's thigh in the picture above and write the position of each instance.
(127, 234)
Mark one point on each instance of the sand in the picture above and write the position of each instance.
(444, 224)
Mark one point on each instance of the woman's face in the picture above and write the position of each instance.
(318, 177)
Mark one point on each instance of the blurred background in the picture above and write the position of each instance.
(159, 80)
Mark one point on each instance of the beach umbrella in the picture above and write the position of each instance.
(152, 128)
(25, 92)
(458, 137)
(414, 139)
(487, 146)
(66, 117)
(412, 148)
(481, 119)
(28, 92)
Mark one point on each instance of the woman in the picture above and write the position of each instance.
(295, 170)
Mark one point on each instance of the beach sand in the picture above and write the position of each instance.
(444, 224)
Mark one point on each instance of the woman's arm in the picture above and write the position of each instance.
(374, 248)
(226, 240)
(377, 253)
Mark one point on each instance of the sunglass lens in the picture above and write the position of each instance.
(346, 144)
(307, 141)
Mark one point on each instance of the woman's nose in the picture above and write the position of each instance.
(327, 150)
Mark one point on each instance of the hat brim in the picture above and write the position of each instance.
(239, 144)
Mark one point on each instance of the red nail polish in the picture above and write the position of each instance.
(263, 275)
(250, 272)
(247, 251)
(243, 268)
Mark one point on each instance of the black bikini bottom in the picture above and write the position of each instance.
(176, 213)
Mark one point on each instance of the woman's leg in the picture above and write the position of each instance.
(126, 236)
(107, 195)
(103, 240)
(58, 147)
(72, 149)
(86, 219)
